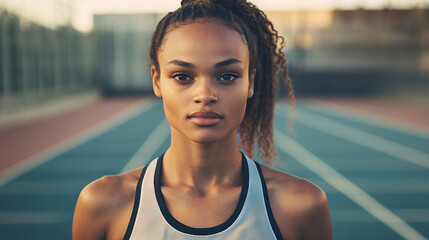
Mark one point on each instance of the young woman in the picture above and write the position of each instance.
(214, 64)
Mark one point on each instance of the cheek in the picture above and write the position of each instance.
(176, 103)
(237, 104)
(171, 103)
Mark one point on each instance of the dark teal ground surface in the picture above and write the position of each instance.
(53, 187)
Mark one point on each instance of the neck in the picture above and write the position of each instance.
(202, 166)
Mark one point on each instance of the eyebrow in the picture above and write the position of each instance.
(182, 64)
(227, 62)
(217, 65)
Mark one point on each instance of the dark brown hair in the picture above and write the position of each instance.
(266, 55)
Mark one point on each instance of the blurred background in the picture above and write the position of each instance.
(66, 66)
(55, 48)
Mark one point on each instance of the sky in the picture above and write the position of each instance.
(49, 11)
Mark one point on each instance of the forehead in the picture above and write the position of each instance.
(209, 40)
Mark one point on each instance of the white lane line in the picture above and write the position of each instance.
(73, 141)
(414, 215)
(345, 186)
(362, 138)
(149, 147)
(8, 218)
(375, 119)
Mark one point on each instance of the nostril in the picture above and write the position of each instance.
(206, 97)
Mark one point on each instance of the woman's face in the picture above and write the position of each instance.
(203, 81)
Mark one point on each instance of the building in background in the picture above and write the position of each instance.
(121, 50)
(356, 52)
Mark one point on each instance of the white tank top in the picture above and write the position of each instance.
(252, 218)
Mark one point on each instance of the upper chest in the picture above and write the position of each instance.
(202, 211)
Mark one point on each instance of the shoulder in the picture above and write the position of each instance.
(293, 191)
(108, 191)
(101, 201)
(299, 206)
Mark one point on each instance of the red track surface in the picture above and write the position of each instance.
(21, 142)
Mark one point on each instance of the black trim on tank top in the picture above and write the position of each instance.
(136, 205)
(200, 231)
(273, 222)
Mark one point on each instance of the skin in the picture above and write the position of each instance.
(202, 167)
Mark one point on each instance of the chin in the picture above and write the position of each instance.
(207, 138)
(206, 135)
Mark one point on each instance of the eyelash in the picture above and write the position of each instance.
(181, 75)
(229, 74)
(175, 76)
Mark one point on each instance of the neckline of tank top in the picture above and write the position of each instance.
(200, 231)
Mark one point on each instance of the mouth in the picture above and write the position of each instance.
(205, 118)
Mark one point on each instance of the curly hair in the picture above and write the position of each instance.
(266, 55)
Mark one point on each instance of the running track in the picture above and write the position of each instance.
(375, 174)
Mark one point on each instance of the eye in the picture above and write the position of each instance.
(228, 77)
(181, 77)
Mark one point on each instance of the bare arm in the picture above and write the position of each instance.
(300, 208)
(316, 221)
(104, 207)
(90, 218)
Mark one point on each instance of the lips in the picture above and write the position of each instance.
(205, 118)
(204, 114)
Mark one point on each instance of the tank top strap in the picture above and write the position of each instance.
(252, 218)
(258, 196)
(148, 214)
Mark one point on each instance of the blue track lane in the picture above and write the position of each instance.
(39, 204)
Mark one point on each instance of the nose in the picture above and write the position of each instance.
(205, 92)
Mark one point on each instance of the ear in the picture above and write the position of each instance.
(156, 84)
(251, 83)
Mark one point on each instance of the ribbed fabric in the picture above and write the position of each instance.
(252, 218)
